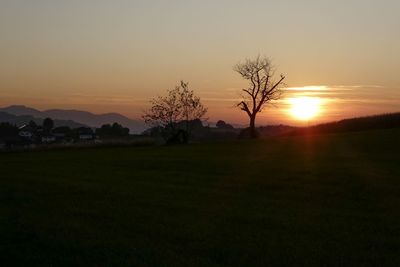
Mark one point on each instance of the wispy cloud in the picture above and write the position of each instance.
(308, 88)
(211, 99)
(357, 86)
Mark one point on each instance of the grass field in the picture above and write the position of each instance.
(331, 200)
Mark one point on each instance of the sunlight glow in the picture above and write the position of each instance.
(305, 108)
(312, 88)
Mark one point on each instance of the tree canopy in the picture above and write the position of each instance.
(180, 104)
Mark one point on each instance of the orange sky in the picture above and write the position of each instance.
(113, 56)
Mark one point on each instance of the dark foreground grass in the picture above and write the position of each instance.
(302, 201)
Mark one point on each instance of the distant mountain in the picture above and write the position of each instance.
(22, 110)
(20, 120)
(96, 120)
(84, 117)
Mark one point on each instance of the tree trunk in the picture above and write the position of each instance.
(253, 132)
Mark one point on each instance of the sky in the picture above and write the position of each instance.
(114, 56)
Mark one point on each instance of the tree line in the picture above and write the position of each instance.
(11, 132)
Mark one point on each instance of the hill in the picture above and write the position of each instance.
(20, 120)
(324, 200)
(83, 117)
(376, 122)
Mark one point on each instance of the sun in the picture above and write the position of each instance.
(305, 108)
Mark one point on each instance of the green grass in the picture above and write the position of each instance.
(331, 200)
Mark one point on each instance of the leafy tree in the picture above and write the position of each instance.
(48, 125)
(32, 124)
(191, 106)
(223, 125)
(114, 130)
(8, 130)
(262, 89)
(179, 105)
(62, 130)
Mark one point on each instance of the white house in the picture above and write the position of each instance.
(86, 137)
(48, 139)
(26, 134)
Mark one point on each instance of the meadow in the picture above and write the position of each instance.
(323, 200)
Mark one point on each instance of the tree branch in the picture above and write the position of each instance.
(243, 106)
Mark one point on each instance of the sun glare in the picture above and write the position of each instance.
(305, 108)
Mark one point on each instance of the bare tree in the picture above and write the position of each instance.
(180, 105)
(263, 88)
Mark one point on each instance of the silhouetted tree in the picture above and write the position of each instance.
(180, 105)
(62, 130)
(48, 125)
(114, 130)
(263, 88)
(192, 108)
(9, 134)
(223, 125)
(8, 130)
(32, 125)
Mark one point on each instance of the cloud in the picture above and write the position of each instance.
(310, 88)
(357, 86)
(211, 99)
(104, 99)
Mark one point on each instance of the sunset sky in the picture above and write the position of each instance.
(113, 56)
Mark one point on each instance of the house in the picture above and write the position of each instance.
(86, 137)
(63, 133)
(86, 134)
(26, 132)
(48, 139)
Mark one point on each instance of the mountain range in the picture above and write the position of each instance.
(72, 118)
(20, 120)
